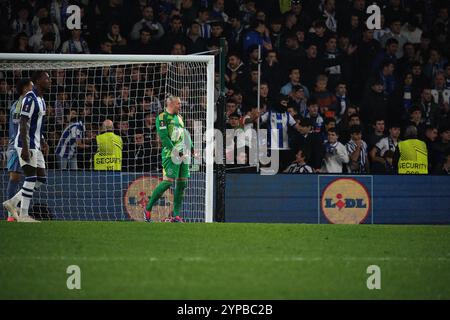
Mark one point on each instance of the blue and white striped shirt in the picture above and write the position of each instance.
(67, 145)
(33, 107)
(279, 121)
(351, 147)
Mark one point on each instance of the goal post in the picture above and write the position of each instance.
(131, 91)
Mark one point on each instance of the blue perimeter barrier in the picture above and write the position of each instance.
(272, 199)
(305, 199)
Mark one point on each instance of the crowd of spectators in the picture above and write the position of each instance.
(345, 93)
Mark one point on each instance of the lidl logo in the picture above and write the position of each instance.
(136, 199)
(345, 201)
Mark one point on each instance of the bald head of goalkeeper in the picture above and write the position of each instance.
(173, 105)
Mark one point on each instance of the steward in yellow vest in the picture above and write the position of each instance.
(412, 154)
(109, 152)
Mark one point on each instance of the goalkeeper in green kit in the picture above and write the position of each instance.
(175, 141)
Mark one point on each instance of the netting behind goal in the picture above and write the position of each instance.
(84, 184)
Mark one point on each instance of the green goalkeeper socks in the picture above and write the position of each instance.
(178, 196)
(157, 193)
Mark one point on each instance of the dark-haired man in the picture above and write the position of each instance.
(28, 144)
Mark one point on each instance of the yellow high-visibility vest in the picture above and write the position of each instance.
(109, 153)
(413, 157)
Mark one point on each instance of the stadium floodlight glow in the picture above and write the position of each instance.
(131, 91)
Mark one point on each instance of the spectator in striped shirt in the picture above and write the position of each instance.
(299, 165)
(357, 151)
(71, 139)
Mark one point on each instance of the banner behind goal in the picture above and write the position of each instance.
(86, 90)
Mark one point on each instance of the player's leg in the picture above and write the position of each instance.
(15, 176)
(178, 196)
(180, 187)
(26, 193)
(38, 175)
(169, 175)
(13, 185)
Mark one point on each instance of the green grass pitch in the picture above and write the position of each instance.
(125, 260)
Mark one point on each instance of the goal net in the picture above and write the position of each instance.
(84, 182)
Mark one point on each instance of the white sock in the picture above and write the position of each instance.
(16, 199)
(27, 195)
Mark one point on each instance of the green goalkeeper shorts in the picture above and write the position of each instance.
(175, 171)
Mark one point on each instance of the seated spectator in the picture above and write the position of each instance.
(336, 154)
(174, 34)
(258, 35)
(21, 23)
(341, 100)
(76, 44)
(404, 64)
(440, 148)
(318, 35)
(145, 44)
(203, 21)
(20, 44)
(325, 99)
(357, 152)
(272, 71)
(440, 93)
(45, 28)
(276, 33)
(294, 76)
(388, 54)
(299, 165)
(411, 30)
(313, 114)
(328, 123)
(344, 130)
(195, 42)
(236, 37)
(217, 30)
(118, 42)
(384, 29)
(375, 103)
(248, 10)
(188, 11)
(291, 53)
(298, 100)
(415, 120)
(388, 143)
(377, 134)
(48, 44)
(420, 81)
(137, 156)
(435, 64)
(235, 72)
(444, 168)
(395, 33)
(386, 75)
(149, 23)
(430, 109)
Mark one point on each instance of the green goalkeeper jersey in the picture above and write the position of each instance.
(171, 131)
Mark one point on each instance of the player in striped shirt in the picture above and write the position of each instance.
(299, 165)
(13, 165)
(71, 139)
(28, 145)
(357, 152)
